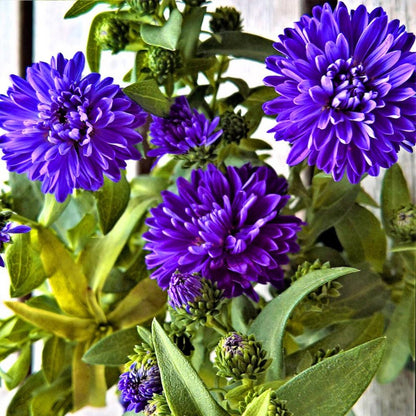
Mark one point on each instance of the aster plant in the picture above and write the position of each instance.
(205, 282)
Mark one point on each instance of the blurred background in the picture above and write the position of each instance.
(32, 31)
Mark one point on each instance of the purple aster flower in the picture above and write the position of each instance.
(347, 91)
(5, 232)
(227, 227)
(182, 130)
(184, 288)
(67, 131)
(138, 385)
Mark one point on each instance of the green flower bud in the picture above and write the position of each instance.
(157, 406)
(179, 331)
(403, 224)
(234, 127)
(322, 354)
(144, 7)
(113, 34)
(162, 63)
(321, 296)
(276, 407)
(194, 3)
(144, 355)
(240, 356)
(225, 18)
(198, 157)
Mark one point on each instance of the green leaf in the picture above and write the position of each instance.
(269, 326)
(254, 144)
(19, 370)
(112, 199)
(397, 334)
(27, 197)
(79, 235)
(72, 328)
(114, 349)
(100, 255)
(24, 265)
(191, 28)
(88, 381)
(394, 195)
(68, 283)
(52, 209)
(147, 94)
(403, 247)
(331, 387)
(243, 311)
(19, 405)
(238, 44)
(185, 392)
(363, 239)
(53, 358)
(259, 406)
(80, 7)
(166, 36)
(93, 51)
(142, 303)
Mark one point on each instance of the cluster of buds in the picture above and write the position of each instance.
(162, 63)
(225, 19)
(276, 407)
(198, 157)
(403, 224)
(240, 357)
(113, 34)
(322, 354)
(234, 126)
(157, 406)
(143, 7)
(194, 3)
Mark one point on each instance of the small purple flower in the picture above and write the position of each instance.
(182, 130)
(184, 288)
(67, 131)
(138, 385)
(5, 232)
(225, 226)
(234, 344)
(346, 85)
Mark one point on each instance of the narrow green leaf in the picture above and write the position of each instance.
(331, 387)
(53, 358)
(80, 7)
(24, 265)
(68, 283)
(397, 334)
(259, 406)
(61, 325)
(112, 200)
(185, 392)
(19, 370)
(238, 44)
(88, 381)
(394, 194)
(100, 255)
(403, 247)
(147, 94)
(51, 210)
(20, 403)
(93, 51)
(363, 239)
(191, 28)
(243, 311)
(78, 236)
(255, 144)
(269, 326)
(142, 303)
(166, 36)
(114, 349)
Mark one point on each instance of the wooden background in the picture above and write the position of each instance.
(264, 17)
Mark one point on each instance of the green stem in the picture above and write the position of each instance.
(23, 220)
(223, 64)
(213, 323)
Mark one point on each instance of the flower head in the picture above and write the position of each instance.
(7, 228)
(224, 19)
(347, 91)
(67, 131)
(182, 130)
(226, 226)
(184, 288)
(138, 385)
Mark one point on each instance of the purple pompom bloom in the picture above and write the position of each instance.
(67, 131)
(226, 227)
(138, 385)
(182, 130)
(347, 88)
(5, 232)
(184, 288)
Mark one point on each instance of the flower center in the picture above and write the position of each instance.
(351, 90)
(67, 116)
